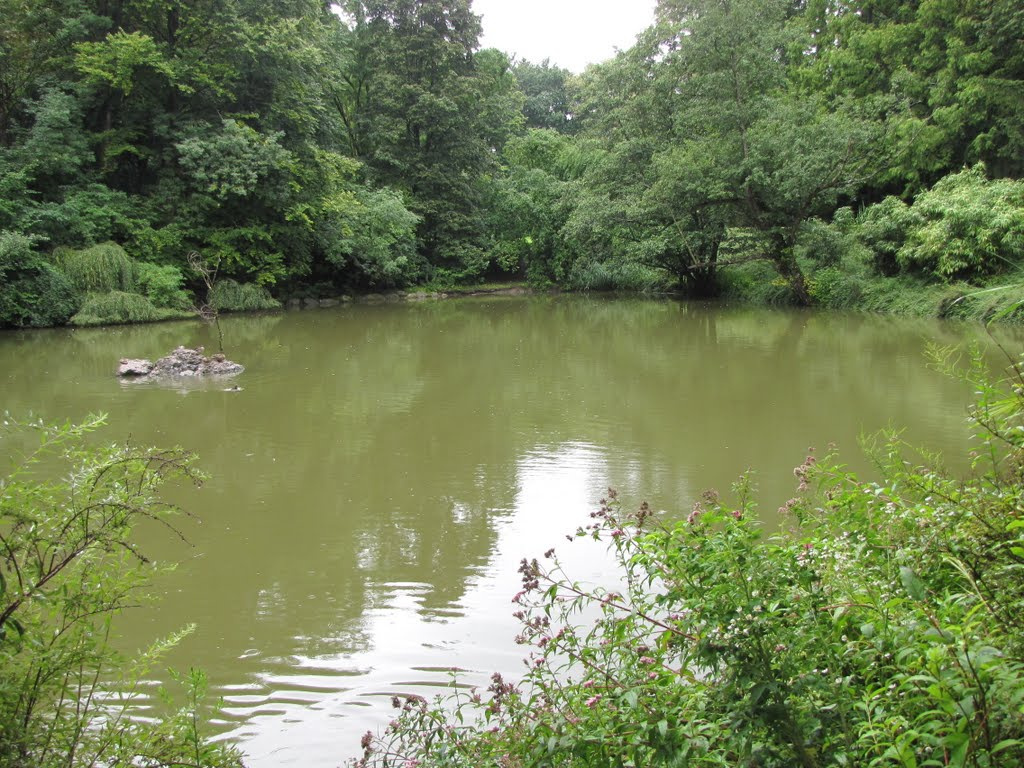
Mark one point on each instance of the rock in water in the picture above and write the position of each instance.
(181, 362)
(133, 368)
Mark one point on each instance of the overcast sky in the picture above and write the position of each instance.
(572, 33)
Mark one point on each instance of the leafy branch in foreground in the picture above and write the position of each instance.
(68, 566)
(881, 627)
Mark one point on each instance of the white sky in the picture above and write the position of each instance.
(572, 33)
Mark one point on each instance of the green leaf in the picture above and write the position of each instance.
(912, 583)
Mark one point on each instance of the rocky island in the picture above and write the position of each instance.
(182, 362)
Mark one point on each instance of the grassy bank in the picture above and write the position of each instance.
(999, 299)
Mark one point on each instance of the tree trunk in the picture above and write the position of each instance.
(785, 263)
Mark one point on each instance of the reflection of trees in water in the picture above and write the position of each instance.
(375, 445)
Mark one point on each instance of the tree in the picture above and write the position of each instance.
(432, 113)
(546, 89)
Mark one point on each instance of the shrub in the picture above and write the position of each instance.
(882, 627)
(118, 307)
(162, 285)
(32, 292)
(835, 288)
(231, 296)
(757, 282)
(69, 567)
(104, 267)
(883, 228)
(970, 227)
(377, 237)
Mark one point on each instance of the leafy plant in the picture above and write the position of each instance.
(969, 227)
(230, 296)
(120, 307)
(32, 292)
(101, 268)
(68, 567)
(162, 285)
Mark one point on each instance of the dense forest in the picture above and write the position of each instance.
(156, 157)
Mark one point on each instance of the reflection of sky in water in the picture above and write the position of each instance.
(311, 710)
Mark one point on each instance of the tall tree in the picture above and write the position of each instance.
(419, 108)
(548, 102)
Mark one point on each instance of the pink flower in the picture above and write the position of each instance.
(592, 701)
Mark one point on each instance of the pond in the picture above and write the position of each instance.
(384, 468)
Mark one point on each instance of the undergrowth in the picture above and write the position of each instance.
(230, 296)
(117, 307)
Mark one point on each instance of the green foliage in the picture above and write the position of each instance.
(231, 161)
(84, 215)
(101, 268)
(882, 627)
(291, 144)
(162, 285)
(69, 566)
(32, 292)
(757, 282)
(230, 296)
(429, 116)
(118, 307)
(380, 240)
(614, 276)
(834, 288)
(884, 229)
(969, 227)
(55, 146)
(546, 89)
(115, 60)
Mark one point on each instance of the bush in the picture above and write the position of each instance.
(32, 292)
(379, 240)
(835, 288)
(883, 627)
(966, 227)
(117, 307)
(230, 296)
(69, 567)
(162, 285)
(883, 228)
(757, 282)
(104, 267)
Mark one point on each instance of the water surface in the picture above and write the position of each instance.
(384, 468)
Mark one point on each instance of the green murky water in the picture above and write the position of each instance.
(384, 468)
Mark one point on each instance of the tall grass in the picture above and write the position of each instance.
(229, 296)
(118, 307)
(615, 276)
